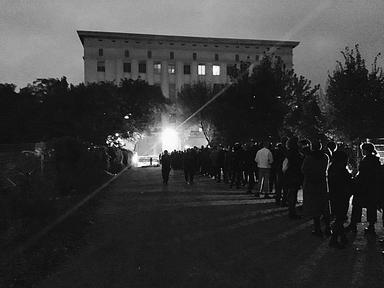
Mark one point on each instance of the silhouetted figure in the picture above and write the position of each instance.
(279, 154)
(189, 165)
(165, 166)
(366, 190)
(236, 165)
(315, 191)
(340, 184)
(293, 177)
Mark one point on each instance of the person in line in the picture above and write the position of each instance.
(165, 161)
(315, 190)
(280, 154)
(366, 190)
(189, 165)
(236, 165)
(293, 177)
(340, 184)
(264, 160)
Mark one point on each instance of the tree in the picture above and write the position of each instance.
(356, 98)
(190, 100)
(263, 101)
(304, 118)
(51, 108)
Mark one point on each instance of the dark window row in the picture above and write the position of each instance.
(172, 55)
(201, 68)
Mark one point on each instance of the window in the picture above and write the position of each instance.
(101, 52)
(142, 67)
(237, 58)
(216, 57)
(127, 67)
(257, 57)
(194, 56)
(216, 70)
(157, 68)
(201, 69)
(171, 55)
(100, 66)
(126, 53)
(187, 69)
(149, 54)
(171, 68)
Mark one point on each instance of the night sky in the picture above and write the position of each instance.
(38, 38)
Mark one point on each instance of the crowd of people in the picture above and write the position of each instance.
(280, 170)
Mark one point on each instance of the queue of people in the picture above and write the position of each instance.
(281, 170)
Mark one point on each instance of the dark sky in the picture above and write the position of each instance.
(38, 37)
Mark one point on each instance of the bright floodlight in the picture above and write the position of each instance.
(170, 139)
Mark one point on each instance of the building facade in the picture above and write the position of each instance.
(172, 61)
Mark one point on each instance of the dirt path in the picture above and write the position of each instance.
(207, 235)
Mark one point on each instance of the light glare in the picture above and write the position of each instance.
(170, 139)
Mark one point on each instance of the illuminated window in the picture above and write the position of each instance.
(216, 70)
(194, 56)
(142, 67)
(201, 69)
(100, 66)
(126, 53)
(171, 68)
(157, 67)
(127, 67)
(101, 52)
(171, 55)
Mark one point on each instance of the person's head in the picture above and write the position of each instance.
(292, 143)
(340, 158)
(266, 143)
(316, 145)
(165, 152)
(368, 149)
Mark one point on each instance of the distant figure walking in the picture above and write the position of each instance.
(315, 190)
(165, 166)
(264, 160)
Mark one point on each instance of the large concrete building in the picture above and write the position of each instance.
(172, 61)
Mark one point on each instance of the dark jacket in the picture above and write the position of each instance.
(293, 177)
(340, 189)
(366, 191)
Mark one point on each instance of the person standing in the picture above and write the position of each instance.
(293, 177)
(315, 190)
(264, 160)
(340, 183)
(189, 165)
(236, 165)
(366, 194)
(165, 166)
(279, 156)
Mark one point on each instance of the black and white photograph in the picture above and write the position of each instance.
(191, 143)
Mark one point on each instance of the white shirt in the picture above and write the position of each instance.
(264, 158)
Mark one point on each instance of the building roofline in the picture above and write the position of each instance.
(232, 41)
